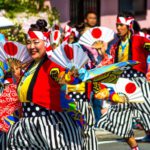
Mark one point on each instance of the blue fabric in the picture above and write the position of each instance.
(97, 106)
(1, 76)
(2, 38)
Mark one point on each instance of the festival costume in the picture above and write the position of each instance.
(10, 106)
(87, 40)
(71, 56)
(39, 93)
(119, 117)
(9, 52)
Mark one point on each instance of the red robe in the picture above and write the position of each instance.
(137, 51)
(9, 103)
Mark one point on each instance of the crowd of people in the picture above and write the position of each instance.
(47, 104)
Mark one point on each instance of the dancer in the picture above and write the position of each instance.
(44, 125)
(118, 120)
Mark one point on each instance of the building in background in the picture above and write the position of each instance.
(106, 10)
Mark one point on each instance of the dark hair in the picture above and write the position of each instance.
(146, 30)
(40, 25)
(89, 12)
(71, 24)
(125, 14)
(8, 75)
(136, 26)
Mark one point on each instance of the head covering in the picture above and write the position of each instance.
(8, 80)
(45, 36)
(126, 21)
(68, 30)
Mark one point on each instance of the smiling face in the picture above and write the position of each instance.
(36, 48)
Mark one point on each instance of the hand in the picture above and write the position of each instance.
(119, 98)
(97, 45)
(65, 78)
(148, 76)
(102, 94)
(74, 72)
(100, 46)
(61, 77)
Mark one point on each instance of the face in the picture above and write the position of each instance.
(71, 38)
(36, 48)
(122, 29)
(91, 20)
(16, 71)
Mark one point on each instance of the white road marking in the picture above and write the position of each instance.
(116, 141)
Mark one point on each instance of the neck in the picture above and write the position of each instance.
(125, 37)
(71, 40)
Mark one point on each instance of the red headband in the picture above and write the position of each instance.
(127, 21)
(42, 36)
(38, 35)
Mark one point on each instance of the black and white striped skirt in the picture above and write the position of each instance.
(55, 131)
(3, 138)
(89, 137)
(119, 117)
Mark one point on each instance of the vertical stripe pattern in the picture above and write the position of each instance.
(57, 131)
(118, 119)
(89, 137)
(3, 138)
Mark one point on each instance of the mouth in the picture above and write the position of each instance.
(33, 52)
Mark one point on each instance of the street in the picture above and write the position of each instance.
(108, 141)
(122, 146)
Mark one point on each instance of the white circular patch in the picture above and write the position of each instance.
(32, 104)
(43, 113)
(28, 109)
(77, 96)
(37, 108)
(33, 114)
(128, 75)
(70, 95)
(26, 114)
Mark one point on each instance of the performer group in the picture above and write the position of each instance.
(52, 89)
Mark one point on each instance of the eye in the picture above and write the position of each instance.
(36, 42)
(28, 42)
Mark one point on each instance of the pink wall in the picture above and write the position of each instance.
(145, 23)
(63, 7)
(109, 11)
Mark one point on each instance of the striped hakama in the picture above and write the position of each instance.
(89, 137)
(44, 130)
(119, 117)
(3, 138)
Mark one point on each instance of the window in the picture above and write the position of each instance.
(137, 7)
(78, 8)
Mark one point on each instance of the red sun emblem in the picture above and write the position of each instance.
(69, 51)
(10, 48)
(130, 88)
(96, 33)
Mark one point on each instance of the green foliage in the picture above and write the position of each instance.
(53, 15)
(15, 34)
(12, 7)
(29, 7)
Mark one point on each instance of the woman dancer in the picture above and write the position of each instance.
(44, 125)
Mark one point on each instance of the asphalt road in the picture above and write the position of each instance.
(122, 146)
(108, 141)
